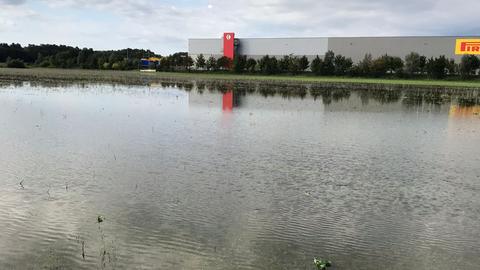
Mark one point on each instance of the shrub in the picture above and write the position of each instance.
(106, 65)
(117, 66)
(15, 63)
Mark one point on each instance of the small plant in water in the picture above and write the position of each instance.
(100, 219)
(321, 264)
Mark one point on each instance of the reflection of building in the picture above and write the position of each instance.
(230, 100)
(353, 47)
(464, 111)
(227, 101)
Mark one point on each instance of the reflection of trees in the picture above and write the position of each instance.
(329, 95)
(468, 101)
(381, 96)
(409, 97)
(201, 86)
(439, 97)
(288, 91)
(266, 90)
(386, 96)
(335, 95)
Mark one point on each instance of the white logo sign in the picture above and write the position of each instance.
(229, 37)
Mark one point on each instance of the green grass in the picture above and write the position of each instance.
(316, 79)
(136, 77)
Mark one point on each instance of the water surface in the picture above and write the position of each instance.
(199, 177)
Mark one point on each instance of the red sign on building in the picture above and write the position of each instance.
(229, 45)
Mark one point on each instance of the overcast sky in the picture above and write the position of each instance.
(165, 26)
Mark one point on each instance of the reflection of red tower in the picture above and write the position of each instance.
(227, 104)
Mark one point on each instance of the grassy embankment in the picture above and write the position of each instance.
(136, 77)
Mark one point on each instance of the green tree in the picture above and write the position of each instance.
(224, 63)
(294, 65)
(211, 63)
(379, 66)
(413, 63)
(303, 63)
(316, 65)
(423, 64)
(165, 64)
(239, 63)
(200, 62)
(268, 65)
(394, 64)
(328, 67)
(188, 63)
(364, 67)
(39, 59)
(437, 67)
(469, 65)
(284, 63)
(342, 65)
(251, 65)
(273, 66)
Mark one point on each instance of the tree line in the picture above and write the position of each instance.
(338, 65)
(61, 56)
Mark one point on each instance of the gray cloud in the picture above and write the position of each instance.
(12, 2)
(165, 26)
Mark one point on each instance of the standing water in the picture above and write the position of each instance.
(104, 177)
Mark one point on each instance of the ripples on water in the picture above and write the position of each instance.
(193, 176)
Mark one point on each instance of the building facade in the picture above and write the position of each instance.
(453, 47)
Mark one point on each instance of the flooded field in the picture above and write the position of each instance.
(239, 176)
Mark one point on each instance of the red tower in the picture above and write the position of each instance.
(229, 45)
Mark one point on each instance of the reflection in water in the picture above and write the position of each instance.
(235, 95)
(458, 111)
(371, 179)
(227, 101)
